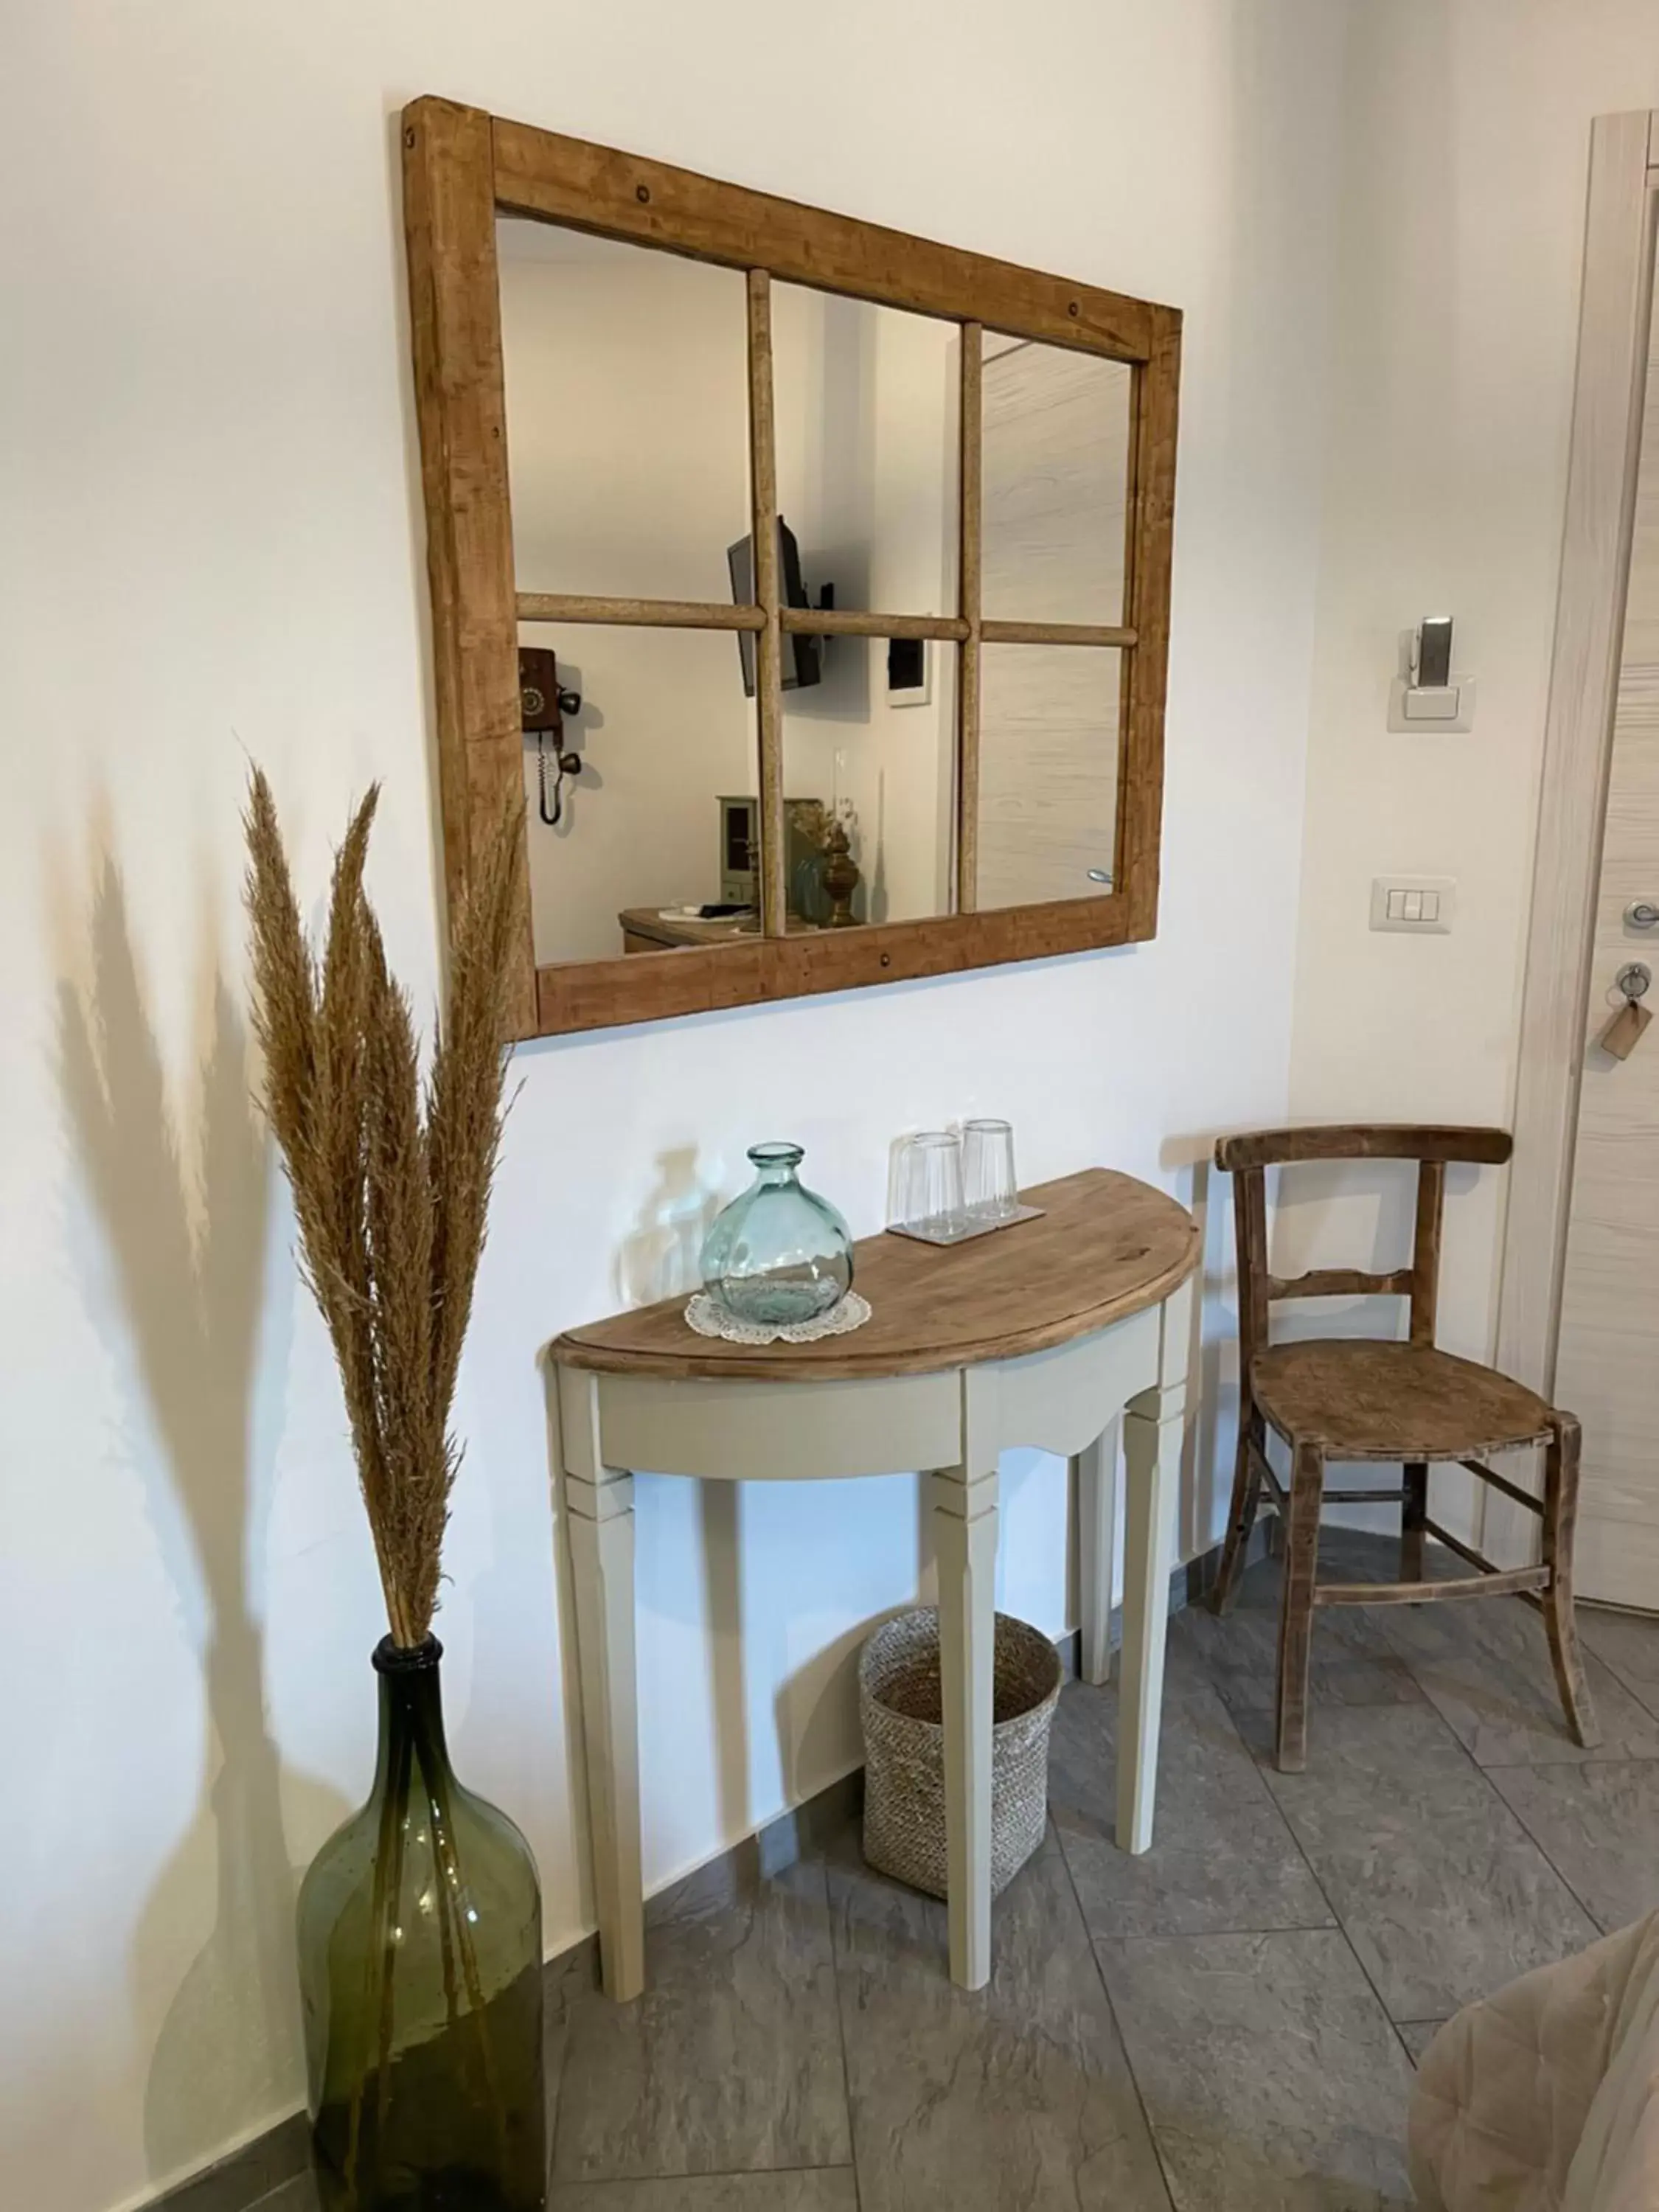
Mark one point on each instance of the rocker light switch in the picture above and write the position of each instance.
(1422, 903)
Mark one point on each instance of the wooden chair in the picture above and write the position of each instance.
(1354, 1399)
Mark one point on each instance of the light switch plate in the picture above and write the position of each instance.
(1423, 905)
(1421, 710)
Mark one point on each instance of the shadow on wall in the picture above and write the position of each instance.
(658, 1259)
(187, 1231)
(660, 1254)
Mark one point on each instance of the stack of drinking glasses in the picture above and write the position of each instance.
(955, 1184)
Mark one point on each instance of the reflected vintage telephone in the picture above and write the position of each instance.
(543, 706)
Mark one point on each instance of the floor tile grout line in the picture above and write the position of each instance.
(841, 2035)
(1399, 2028)
(1117, 2025)
(1582, 1757)
(1330, 1927)
(1313, 1873)
(1537, 1842)
(564, 2070)
(1498, 1794)
(1486, 1775)
(1616, 1671)
(1260, 1779)
(1577, 1765)
(693, 2173)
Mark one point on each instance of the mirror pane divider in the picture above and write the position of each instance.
(638, 614)
(970, 503)
(1040, 633)
(854, 622)
(460, 403)
(1151, 503)
(769, 672)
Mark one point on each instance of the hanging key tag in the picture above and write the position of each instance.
(1623, 1032)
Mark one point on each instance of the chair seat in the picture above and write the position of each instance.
(1404, 1402)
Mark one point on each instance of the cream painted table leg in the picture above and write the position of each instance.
(1154, 1427)
(1097, 1522)
(599, 1517)
(965, 1540)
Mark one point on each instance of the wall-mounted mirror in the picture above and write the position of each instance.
(811, 582)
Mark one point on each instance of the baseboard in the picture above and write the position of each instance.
(244, 2177)
(239, 2181)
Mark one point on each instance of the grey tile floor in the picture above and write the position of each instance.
(1226, 2025)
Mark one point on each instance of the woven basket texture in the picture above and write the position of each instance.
(901, 1707)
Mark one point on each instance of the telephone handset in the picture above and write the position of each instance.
(543, 706)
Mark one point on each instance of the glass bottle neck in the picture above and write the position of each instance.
(411, 1708)
(775, 1165)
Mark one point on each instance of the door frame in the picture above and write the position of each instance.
(1615, 308)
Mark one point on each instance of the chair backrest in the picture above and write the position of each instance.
(1249, 1156)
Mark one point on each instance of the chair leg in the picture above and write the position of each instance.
(1241, 1514)
(1296, 1617)
(1412, 1521)
(1560, 1514)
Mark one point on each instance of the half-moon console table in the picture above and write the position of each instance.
(1042, 1334)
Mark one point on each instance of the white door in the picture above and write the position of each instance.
(1607, 1361)
(1053, 490)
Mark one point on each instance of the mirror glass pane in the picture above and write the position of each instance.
(1047, 772)
(868, 771)
(867, 405)
(1055, 459)
(627, 387)
(656, 822)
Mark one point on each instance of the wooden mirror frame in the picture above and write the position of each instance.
(462, 168)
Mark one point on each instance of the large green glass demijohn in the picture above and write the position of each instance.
(420, 1972)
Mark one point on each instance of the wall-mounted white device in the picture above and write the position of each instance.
(1426, 696)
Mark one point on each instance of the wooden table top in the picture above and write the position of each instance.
(684, 929)
(1105, 1247)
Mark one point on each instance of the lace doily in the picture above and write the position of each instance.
(709, 1320)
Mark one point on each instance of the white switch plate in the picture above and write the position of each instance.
(1423, 905)
(1416, 710)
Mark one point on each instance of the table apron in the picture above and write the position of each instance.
(1058, 1401)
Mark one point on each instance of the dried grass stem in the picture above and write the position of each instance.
(391, 1178)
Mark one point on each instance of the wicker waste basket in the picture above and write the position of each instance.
(901, 1707)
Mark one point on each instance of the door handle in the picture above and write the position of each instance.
(1642, 913)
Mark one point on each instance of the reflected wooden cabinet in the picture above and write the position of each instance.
(875, 530)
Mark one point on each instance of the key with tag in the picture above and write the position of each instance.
(1623, 1032)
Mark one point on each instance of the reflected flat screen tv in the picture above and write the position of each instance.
(803, 662)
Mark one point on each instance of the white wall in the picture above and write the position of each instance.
(213, 552)
(1466, 145)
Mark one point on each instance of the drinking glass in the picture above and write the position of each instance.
(930, 1184)
(989, 1185)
